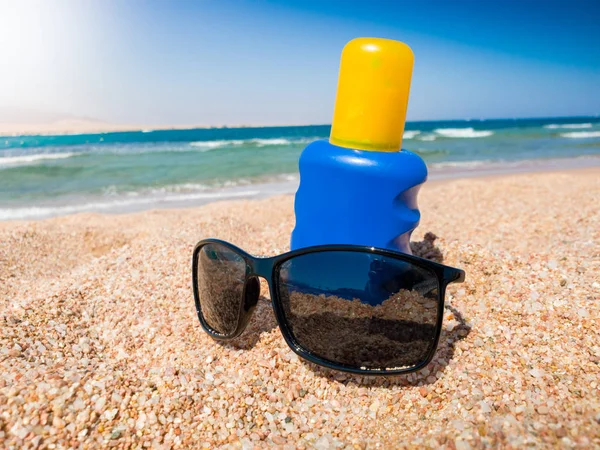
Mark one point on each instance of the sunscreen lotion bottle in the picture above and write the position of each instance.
(359, 187)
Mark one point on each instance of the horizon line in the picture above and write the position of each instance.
(121, 128)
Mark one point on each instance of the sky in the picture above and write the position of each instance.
(216, 62)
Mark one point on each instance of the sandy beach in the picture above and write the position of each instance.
(100, 345)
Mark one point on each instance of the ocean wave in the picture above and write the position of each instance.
(463, 132)
(114, 191)
(581, 134)
(427, 137)
(28, 159)
(498, 166)
(429, 151)
(411, 134)
(210, 145)
(47, 211)
(182, 188)
(262, 142)
(573, 126)
(459, 164)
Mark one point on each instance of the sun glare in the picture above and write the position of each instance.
(34, 41)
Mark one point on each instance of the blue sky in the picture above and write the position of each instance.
(275, 62)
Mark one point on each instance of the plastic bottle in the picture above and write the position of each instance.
(359, 187)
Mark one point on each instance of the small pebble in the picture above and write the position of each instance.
(582, 312)
(542, 410)
(485, 408)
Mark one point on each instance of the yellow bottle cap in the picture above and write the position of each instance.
(372, 95)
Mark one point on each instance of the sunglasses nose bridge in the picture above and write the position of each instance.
(261, 267)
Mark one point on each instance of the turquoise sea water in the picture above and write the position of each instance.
(48, 175)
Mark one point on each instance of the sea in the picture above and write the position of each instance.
(49, 175)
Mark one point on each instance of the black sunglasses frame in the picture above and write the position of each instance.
(268, 269)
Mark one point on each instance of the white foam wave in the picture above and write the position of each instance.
(411, 134)
(463, 132)
(178, 188)
(46, 211)
(427, 137)
(572, 126)
(113, 191)
(459, 164)
(515, 166)
(28, 159)
(209, 145)
(262, 142)
(581, 134)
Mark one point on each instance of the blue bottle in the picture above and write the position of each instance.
(359, 187)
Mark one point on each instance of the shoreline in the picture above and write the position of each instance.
(124, 204)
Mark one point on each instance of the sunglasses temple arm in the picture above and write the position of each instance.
(456, 276)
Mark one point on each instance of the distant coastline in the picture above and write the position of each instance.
(91, 126)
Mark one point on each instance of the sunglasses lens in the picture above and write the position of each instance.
(221, 278)
(360, 309)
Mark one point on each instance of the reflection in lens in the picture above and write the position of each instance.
(360, 309)
(221, 277)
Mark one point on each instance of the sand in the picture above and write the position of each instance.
(100, 345)
(64, 126)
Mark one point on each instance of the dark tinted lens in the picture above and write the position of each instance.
(221, 277)
(360, 309)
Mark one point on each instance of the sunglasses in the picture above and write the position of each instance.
(357, 309)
